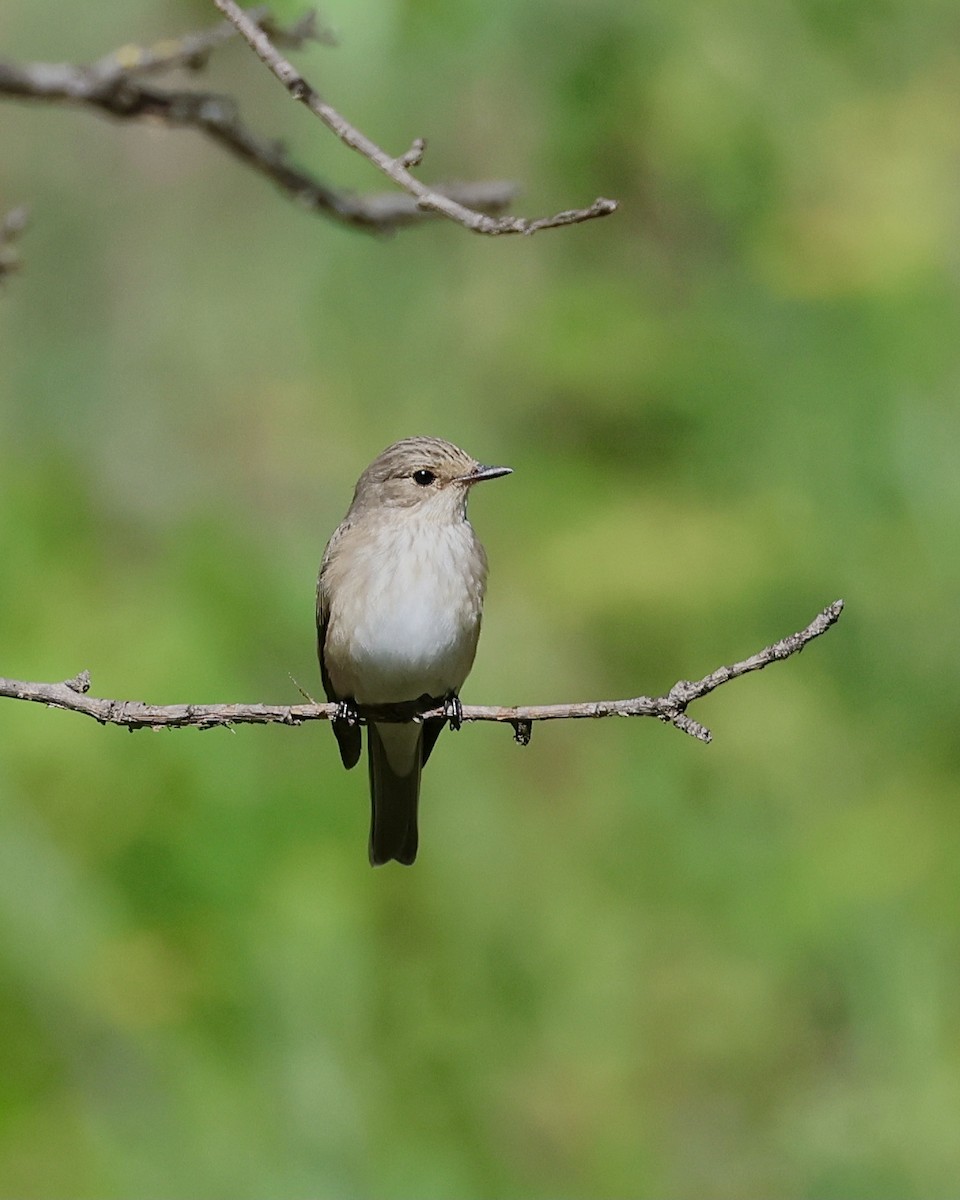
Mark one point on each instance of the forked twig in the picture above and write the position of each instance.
(396, 168)
(123, 85)
(127, 85)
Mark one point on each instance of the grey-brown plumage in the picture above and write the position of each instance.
(399, 601)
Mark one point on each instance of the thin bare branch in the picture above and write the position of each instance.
(395, 168)
(123, 85)
(671, 708)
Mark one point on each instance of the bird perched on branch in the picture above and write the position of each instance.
(399, 600)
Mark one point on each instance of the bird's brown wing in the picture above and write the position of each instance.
(347, 732)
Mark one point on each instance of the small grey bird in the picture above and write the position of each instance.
(399, 600)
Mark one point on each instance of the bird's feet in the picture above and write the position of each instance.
(347, 711)
(453, 710)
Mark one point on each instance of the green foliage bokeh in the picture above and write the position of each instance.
(626, 964)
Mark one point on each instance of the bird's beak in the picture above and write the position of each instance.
(480, 473)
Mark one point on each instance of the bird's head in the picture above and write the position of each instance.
(425, 475)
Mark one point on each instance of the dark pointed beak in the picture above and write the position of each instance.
(480, 473)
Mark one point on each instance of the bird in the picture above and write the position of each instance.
(399, 602)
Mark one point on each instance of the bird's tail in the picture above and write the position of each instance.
(394, 792)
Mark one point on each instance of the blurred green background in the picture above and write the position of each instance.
(626, 964)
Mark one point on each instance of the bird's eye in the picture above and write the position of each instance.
(423, 477)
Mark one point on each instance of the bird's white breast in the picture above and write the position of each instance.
(405, 610)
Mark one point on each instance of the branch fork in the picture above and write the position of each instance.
(123, 85)
(396, 169)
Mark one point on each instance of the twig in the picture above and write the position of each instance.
(395, 168)
(670, 708)
(121, 85)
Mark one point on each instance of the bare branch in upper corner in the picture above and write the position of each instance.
(395, 168)
(123, 85)
(670, 708)
(11, 227)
